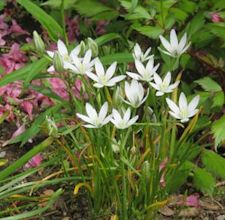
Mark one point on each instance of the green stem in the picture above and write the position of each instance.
(63, 22)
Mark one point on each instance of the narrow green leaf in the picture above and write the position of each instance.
(204, 181)
(25, 158)
(107, 38)
(36, 126)
(149, 31)
(118, 57)
(53, 28)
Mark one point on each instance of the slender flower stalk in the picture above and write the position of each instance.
(145, 73)
(123, 122)
(94, 119)
(135, 93)
(173, 47)
(163, 86)
(139, 55)
(183, 111)
(104, 78)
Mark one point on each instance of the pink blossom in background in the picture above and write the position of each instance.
(215, 17)
(100, 27)
(73, 28)
(192, 200)
(16, 54)
(34, 161)
(3, 24)
(59, 87)
(15, 28)
(27, 106)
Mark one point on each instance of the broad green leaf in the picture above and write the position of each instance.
(209, 84)
(107, 38)
(118, 57)
(218, 130)
(195, 24)
(204, 181)
(188, 6)
(53, 28)
(214, 163)
(25, 72)
(90, 8)
(2, 5)
(217, 29)
(136, 12)
(149, 31)
(57, 3)
(218, 99)
(179, 14)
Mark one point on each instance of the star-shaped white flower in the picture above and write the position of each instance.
(139, 55)
(103, 78)
(184, 111)
(145, 73)
(123, 122)
(163, 86)
(174, 48)
(135, 93)
(63, 52)
(94, 119)
(81, 65)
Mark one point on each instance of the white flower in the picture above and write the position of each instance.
(139, 55)
(93, 119)
(144, 73)
(174, 48)
(125, 122)
(81, 65)
(135, 93)
(63, 52)
(163, 86)
(184, 111)
(103, 78)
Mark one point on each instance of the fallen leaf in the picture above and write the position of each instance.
(166, 211)
(189, 212)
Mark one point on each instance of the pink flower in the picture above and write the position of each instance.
(59, 87)
(16, 54)
(73, 28)
(192, 200)
(215, 17)
(28, 108)
(15, 28)
(3, 25)
(34, 161)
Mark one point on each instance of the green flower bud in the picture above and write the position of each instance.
(52, 127)
(93, 46)
(146, 170)
(38, 42)
(58, 62)
(82, 48)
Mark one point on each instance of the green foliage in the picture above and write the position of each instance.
(204, 181)
(209, 85)
(26, 73)
(214, 163)
(219, 131)
(149, 31)
(98, 10)
(53, 28)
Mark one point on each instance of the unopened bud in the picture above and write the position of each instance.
(93, 46)
(146, 170)
(58, 62)
(52, 127)
(82, 48)
(38, 42)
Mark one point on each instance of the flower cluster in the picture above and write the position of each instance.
(135, 92)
